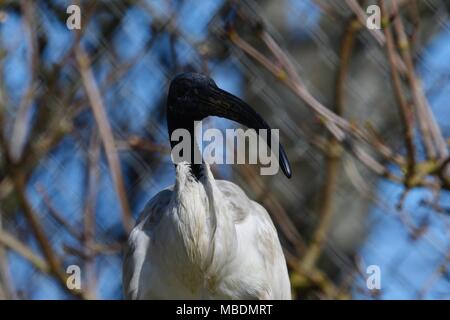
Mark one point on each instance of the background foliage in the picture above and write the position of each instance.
(364, 116)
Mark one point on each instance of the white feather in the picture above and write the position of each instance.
(204, 240)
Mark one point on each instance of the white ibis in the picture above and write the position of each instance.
(204, 238)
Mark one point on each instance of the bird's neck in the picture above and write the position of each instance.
(195, 161)
(203, 220)
(196, 217)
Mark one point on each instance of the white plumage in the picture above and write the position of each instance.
(204, 239)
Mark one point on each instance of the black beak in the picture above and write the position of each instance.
(223, 104)
(203, 98)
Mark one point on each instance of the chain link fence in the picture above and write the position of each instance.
(84, 139)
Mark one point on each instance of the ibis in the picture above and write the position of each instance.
(203, 238)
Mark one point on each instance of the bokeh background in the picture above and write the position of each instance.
(84, 141)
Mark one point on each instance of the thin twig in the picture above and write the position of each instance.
(6, 285)
(22, 120)
(432, 136)
(55, 214)
(89, 211)
(11, 242)
(405, 112)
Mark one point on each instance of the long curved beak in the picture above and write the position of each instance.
(220, 103)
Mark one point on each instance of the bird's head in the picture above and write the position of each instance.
(188, 94)
(193, 97)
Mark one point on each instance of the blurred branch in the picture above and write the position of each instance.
(405, 112)
(362, 17)
(55, 214)
(314, 277)
(138, 143)
(377, 34)
(6, 286)
(337, 126)
(385, 205)
(340, 128)
(22, 120)
(91, 246)
(18, 178)
(427, 121)
(9, 241)
(334, 154)
(440, 272)
(38, 230)
(90, 206)
(106, 134)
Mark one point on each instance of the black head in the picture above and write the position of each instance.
(186, 92)
(193, 97)
(185, 84)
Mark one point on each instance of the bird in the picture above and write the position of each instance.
(203, 238)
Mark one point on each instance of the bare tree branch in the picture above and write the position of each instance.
(106, 135)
